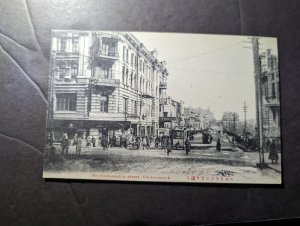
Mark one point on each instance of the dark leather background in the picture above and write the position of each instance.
(27, 199)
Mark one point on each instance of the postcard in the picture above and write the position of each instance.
(163, 107)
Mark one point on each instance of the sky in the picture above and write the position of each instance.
(209, 71)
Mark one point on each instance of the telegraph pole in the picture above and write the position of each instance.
(256, 62)
(245, 108)
(234, 130)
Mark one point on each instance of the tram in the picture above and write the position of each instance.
(178, 137)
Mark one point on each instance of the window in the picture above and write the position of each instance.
(273, 91)
(136, 62)
(66, 102)
(126, 77)
(106, 72)
(273, 76)
(132, 107)
(63, 45)
(125, 105)
(74, 70)
(123, 75)
(104, 103)
(274, 114)
(135, 82)
(131, 80)
(266, 91)
(105, 49)
(178, 134)
(131, 59)
(135, 107)
(126, 55)
(140, 84)
(141, 66)
(63, 72)
(62, 69)
(75, 45)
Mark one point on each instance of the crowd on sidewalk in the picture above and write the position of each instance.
(133, 142)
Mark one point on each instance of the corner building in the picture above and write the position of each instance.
(104, 83)
(270, 96)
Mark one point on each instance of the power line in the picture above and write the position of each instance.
(205, 53)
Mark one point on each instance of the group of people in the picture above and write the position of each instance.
(206, 138)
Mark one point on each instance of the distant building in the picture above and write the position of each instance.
(171, 112)
(189, 118)
(103, 83)
(230, 121)
(198, 118)
(270, 95)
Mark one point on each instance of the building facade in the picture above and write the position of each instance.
(104, 83)
(270, 95)
(170, 112)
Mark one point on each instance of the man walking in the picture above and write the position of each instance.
(187, 146)
(94, 141)
(78, 145)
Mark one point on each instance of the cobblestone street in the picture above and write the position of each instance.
(203, 161)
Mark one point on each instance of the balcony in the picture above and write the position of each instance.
(110, 82)
(146, 95)
(272, 102)
(163, 85)
(108, 54)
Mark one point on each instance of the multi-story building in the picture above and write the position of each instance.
(270, 95)
(103, 83)
(170, 112)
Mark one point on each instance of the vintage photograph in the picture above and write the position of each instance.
(163, 107)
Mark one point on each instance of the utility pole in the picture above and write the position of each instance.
(245, 108)
(234, 130)
(257, 71)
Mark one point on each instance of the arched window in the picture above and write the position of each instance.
(74, 69)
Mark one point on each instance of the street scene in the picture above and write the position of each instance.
(137, 107)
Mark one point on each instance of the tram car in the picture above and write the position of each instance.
(178, 137)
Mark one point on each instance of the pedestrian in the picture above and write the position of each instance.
(65, 144)
(268, 145)
(75, 139)
(94, 141)
(138, 143)
(147, 142)
(125, 142)
(273, 156)
(218, 145)
(156, 142)
(78, 145)
(187, 146)
(163, 143)
(114, 141)
(104, 143)
(210, 138)
(168, 145)
(88, 141)
(120, 140)
(144, 142)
